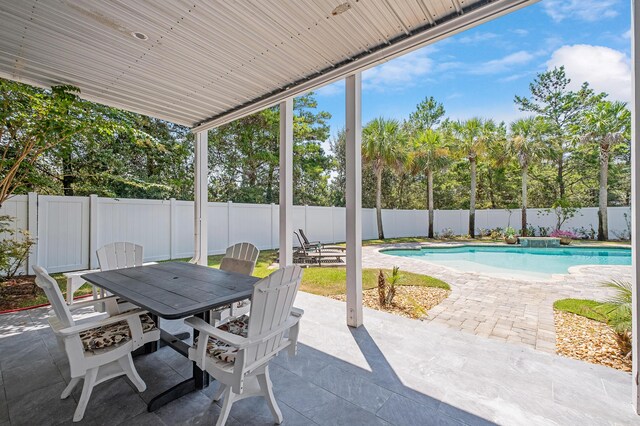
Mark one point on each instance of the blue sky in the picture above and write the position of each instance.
(478, 72)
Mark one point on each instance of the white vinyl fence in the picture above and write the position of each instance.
(69, 230)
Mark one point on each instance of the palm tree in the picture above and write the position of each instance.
(427, 155)
(525, 143)
(470, 139)
(382, 146)
(607, 125)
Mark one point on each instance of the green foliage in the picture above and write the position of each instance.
(14, 248)
(509, 232)
(387, 285)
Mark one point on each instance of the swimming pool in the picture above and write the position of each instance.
(509, 261)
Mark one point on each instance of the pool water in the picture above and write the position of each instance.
(508, 261)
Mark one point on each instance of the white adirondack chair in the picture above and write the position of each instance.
(240, 258)
(98, 350)
(118, 256)
(237, 354)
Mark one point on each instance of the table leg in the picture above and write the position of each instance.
(201, 377)
(152, 346)
(198, 381)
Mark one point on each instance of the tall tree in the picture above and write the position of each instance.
(427, 155)
(33, 121)
(562, 109)
(428, 115)
(470, 139)
(525, 143)
(608, 124)
(383, 143)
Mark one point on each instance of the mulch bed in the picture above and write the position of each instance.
(588, 340)
(409, 301)
(16, 292)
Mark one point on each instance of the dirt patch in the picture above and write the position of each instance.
(410, 301)
(20, 292)
(588, 340)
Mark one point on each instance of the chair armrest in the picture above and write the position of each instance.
(205, 328)
(85, 303)
(70, 331)
(297, 312)
(110, 304)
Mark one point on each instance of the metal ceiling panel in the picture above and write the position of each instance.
(204, 62)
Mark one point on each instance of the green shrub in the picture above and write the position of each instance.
(14, 248)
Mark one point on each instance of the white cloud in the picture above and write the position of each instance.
(586, 10)
(521, 32)
(399, 73)
(627, 34)
(605, 69)
(477, 38)
(331, 89)
(503, 64)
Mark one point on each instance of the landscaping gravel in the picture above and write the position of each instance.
(588, 340)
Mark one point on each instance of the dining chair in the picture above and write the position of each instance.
(238, 352)
(97, 350)
(240, 258)
(120, 255)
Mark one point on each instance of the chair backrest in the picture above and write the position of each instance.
(301, 244)
(271, 305)
(304, 237)
(52, 290)
(119, 255)
(240, 258)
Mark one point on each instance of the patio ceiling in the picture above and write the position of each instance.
(205, 63)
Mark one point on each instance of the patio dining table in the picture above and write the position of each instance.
(175, 290)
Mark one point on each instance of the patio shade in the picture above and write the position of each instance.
(203, 63)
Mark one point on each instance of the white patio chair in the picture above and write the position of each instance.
(240, 258)
(237, 354)
(98, 350)
(118, 256)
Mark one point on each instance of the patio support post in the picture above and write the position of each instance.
(353, 197)
(635, 201)
(286, 183)
(200, 199)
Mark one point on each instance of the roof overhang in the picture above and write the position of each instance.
(206, 63)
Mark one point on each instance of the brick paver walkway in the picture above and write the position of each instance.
(503, 309)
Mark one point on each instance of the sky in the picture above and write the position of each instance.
(478, 72)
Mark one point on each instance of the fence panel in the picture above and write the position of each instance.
(144, 222)
(63, 233)
(64, 226)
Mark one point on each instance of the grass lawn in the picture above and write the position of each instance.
(584, 307)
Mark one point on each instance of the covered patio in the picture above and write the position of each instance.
(392, 370)
(204, 64)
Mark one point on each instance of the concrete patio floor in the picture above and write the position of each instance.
(393, 370)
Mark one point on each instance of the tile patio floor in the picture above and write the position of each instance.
(508, 310)
(393, 370)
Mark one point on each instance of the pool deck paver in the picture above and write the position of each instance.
(505, 309)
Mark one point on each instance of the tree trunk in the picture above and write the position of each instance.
(603, 228)
(525, 175)
(472, 200)
(379, 204)
(560, 177)
(67, 176)
(430, 201)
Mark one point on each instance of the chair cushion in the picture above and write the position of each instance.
(113, 334)
(219, 349)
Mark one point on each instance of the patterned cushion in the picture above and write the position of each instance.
(219, 349)
(113, 334)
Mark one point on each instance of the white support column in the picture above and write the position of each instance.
(286, 183)
(353, 195)
(635, 201)
(201, 198)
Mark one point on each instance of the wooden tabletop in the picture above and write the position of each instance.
(175, 290)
